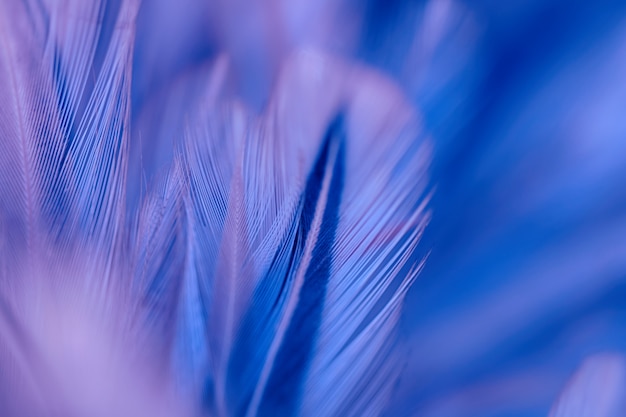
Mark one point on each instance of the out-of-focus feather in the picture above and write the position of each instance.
(160, 261)
(597, 389)
(76, 362)
(67, 345)
(303, 275)
(159, 126)
(528, 263)
(269, 264)
(172, 38)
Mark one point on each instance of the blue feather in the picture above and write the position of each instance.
(267, 266)
(595, 390)
(224, 214)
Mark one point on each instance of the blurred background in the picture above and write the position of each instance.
(525, 102)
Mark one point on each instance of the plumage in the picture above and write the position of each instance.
(273, 251)
(220, 210)
(262, 262)
(65, 114)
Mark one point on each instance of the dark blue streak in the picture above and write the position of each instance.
(283, 390)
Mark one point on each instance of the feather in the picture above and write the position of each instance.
(380, 220)
(257, 264)
(528, 255)
(596, 390)
(265, 266)
(66, 130)
(157, 129)
(159, 262)
(64, 100)
(23, 85)
(293, 275)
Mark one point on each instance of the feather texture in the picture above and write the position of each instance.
(64, 99)
(160, 261)
(266, 262)
(68, 96)
(291, 268)
(243, 243)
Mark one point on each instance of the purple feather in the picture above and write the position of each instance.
(222, 209)
(273, 253)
